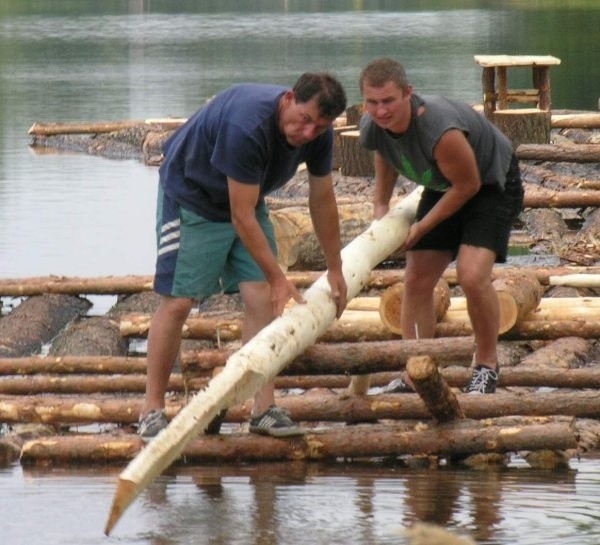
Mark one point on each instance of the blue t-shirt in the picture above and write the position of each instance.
(235, 135)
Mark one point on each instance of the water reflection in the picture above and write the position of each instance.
(88, 61)
(294, 503)
(268, 504)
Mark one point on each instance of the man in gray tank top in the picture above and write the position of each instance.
(472, 195)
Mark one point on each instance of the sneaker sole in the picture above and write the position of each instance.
(279, 432)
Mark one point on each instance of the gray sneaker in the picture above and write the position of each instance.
(152, 423)
(276, 422)
(397, 386)
(483, 381)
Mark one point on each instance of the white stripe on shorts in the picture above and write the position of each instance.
(170, 225)
(169, 237)
(168, 248)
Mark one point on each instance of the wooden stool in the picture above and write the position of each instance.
(498, 99)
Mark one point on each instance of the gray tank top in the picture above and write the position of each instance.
(411, 153)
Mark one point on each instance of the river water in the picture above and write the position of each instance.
(78, 215)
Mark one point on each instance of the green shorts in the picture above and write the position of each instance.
(197, 257)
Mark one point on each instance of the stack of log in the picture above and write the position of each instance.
(71, 385)
(87, 404)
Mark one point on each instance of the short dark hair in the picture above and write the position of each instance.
(331, 97)
(379, 71)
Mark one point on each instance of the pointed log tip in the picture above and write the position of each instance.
(125, 494)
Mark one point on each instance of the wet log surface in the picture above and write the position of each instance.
(456, 438)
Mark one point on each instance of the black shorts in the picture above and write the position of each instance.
(484, 221)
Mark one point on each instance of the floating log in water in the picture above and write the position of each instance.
(452, 439)
(48, 129)
(70, 285)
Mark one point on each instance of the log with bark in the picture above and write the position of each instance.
(72, 364)
(325, 406)
(539, 175)
(47, 129)
(565, 353)
(586, 120)
(84, 384)
(378, 279)
(524, 125)
(580, 153)
(297, 244)
(354, 159)
(544, 197)
(357, 325)
(92, 336)
(36, 321)
(338, 358)
(427, 381)
(585, 249)
(547, 227)
(451, 439)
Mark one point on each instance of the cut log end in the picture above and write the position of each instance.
(124, 495)
(390, 306)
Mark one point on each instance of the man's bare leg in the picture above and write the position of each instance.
(257, 315)
(474, 269)
(164, 340)
(423, 270)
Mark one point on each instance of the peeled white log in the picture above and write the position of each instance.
(266, 354)
(576, 280)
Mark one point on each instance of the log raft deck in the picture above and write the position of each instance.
(82, 408)
(80, 402)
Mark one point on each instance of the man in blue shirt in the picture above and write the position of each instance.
(213, 230)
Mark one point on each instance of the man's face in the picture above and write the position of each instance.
(389, 106)
(300, 122)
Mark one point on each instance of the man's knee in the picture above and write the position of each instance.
(176, 308)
